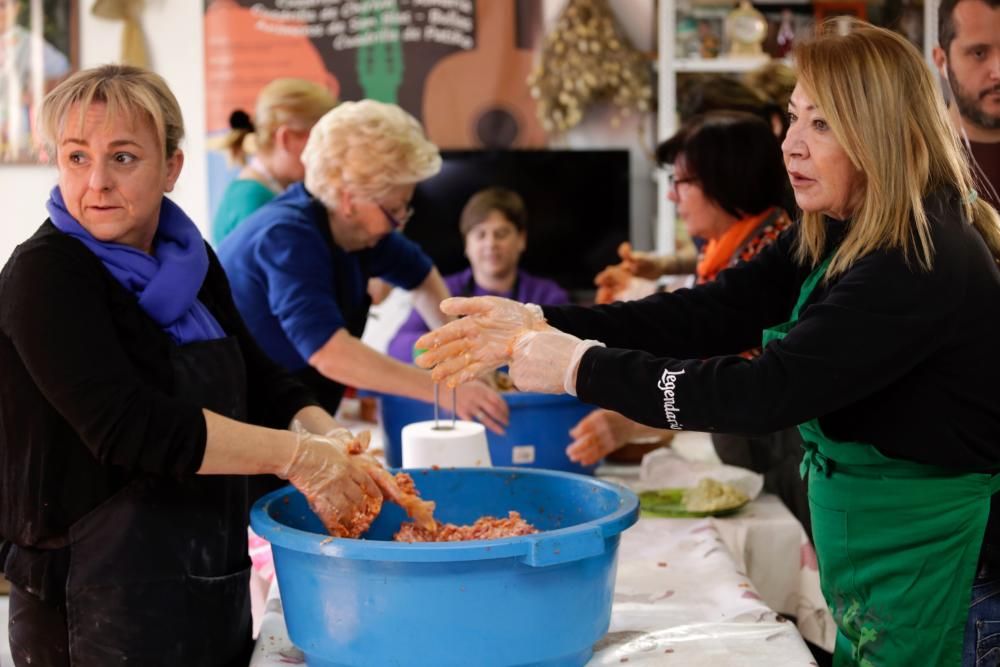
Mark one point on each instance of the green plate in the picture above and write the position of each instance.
(669, 503)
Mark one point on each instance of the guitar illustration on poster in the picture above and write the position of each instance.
(453, 64)
(480, 98)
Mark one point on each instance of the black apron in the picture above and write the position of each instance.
(353, 307)
(159, 572)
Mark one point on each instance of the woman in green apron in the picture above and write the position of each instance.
(880, 320)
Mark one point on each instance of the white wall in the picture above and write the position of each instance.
(174, 33)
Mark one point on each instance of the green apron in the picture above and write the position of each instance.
(897, 543)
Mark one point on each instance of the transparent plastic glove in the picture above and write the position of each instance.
(336, 483)
(404, 495)
(547, 361)
(297, 426)
(337, 432)
(481, 341)
(600, 433)
(421, 511)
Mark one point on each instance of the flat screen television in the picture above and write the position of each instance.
(577, 204)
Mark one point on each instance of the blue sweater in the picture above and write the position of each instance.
(284, 270)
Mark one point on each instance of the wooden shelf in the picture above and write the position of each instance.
(722, 64)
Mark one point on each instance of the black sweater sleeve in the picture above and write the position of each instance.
(56, 310)
(861, 334)
(274, 396)
(722, 317)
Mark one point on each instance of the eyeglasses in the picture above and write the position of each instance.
(395, 222)
(673, 181)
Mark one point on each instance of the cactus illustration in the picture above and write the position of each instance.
(380, 64)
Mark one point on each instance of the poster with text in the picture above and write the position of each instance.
(459, 66)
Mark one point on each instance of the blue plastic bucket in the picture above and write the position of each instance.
(541, 599)
(536, 437)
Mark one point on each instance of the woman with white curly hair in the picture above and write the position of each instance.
(299, 266)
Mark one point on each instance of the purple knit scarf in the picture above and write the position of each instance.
(166, 282)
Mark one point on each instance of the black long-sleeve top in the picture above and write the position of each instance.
(85, 387)
(887, 353)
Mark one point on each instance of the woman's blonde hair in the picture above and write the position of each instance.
(368, 148)
(131, 94)
(295, 103)
(881, 102)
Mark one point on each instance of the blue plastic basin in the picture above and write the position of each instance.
(536, 437)
(541, 599)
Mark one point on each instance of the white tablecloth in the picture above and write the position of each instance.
(679, 592)
(5, 658)
(770, 547)
(678, 596)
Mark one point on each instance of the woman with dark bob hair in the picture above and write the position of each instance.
(731, 189)
(729, 184)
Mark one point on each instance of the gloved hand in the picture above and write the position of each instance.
(602, 432)
(477, 400)
(336, 431)
(421, 511)
(641, 264)
(547, 361)
(610, 282)
(619, 285)
(481, 341)
(335, 481)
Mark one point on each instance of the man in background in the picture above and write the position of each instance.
(968, 58)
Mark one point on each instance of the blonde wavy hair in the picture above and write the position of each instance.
(883, 106)
(368, 148)
(295, 103)
(131, 94)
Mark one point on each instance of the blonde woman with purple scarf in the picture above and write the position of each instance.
(134, 404)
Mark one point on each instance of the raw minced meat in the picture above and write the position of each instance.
(485, 528)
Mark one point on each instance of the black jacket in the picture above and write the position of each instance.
(85, 383)
(888, 354)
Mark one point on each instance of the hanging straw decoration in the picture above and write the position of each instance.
(134, 51)
(587, 58)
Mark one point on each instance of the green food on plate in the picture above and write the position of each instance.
(678, 502)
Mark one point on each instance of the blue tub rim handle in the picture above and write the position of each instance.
(553, 549)
(550, 547)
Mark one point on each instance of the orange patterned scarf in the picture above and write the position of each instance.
(719, 252)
